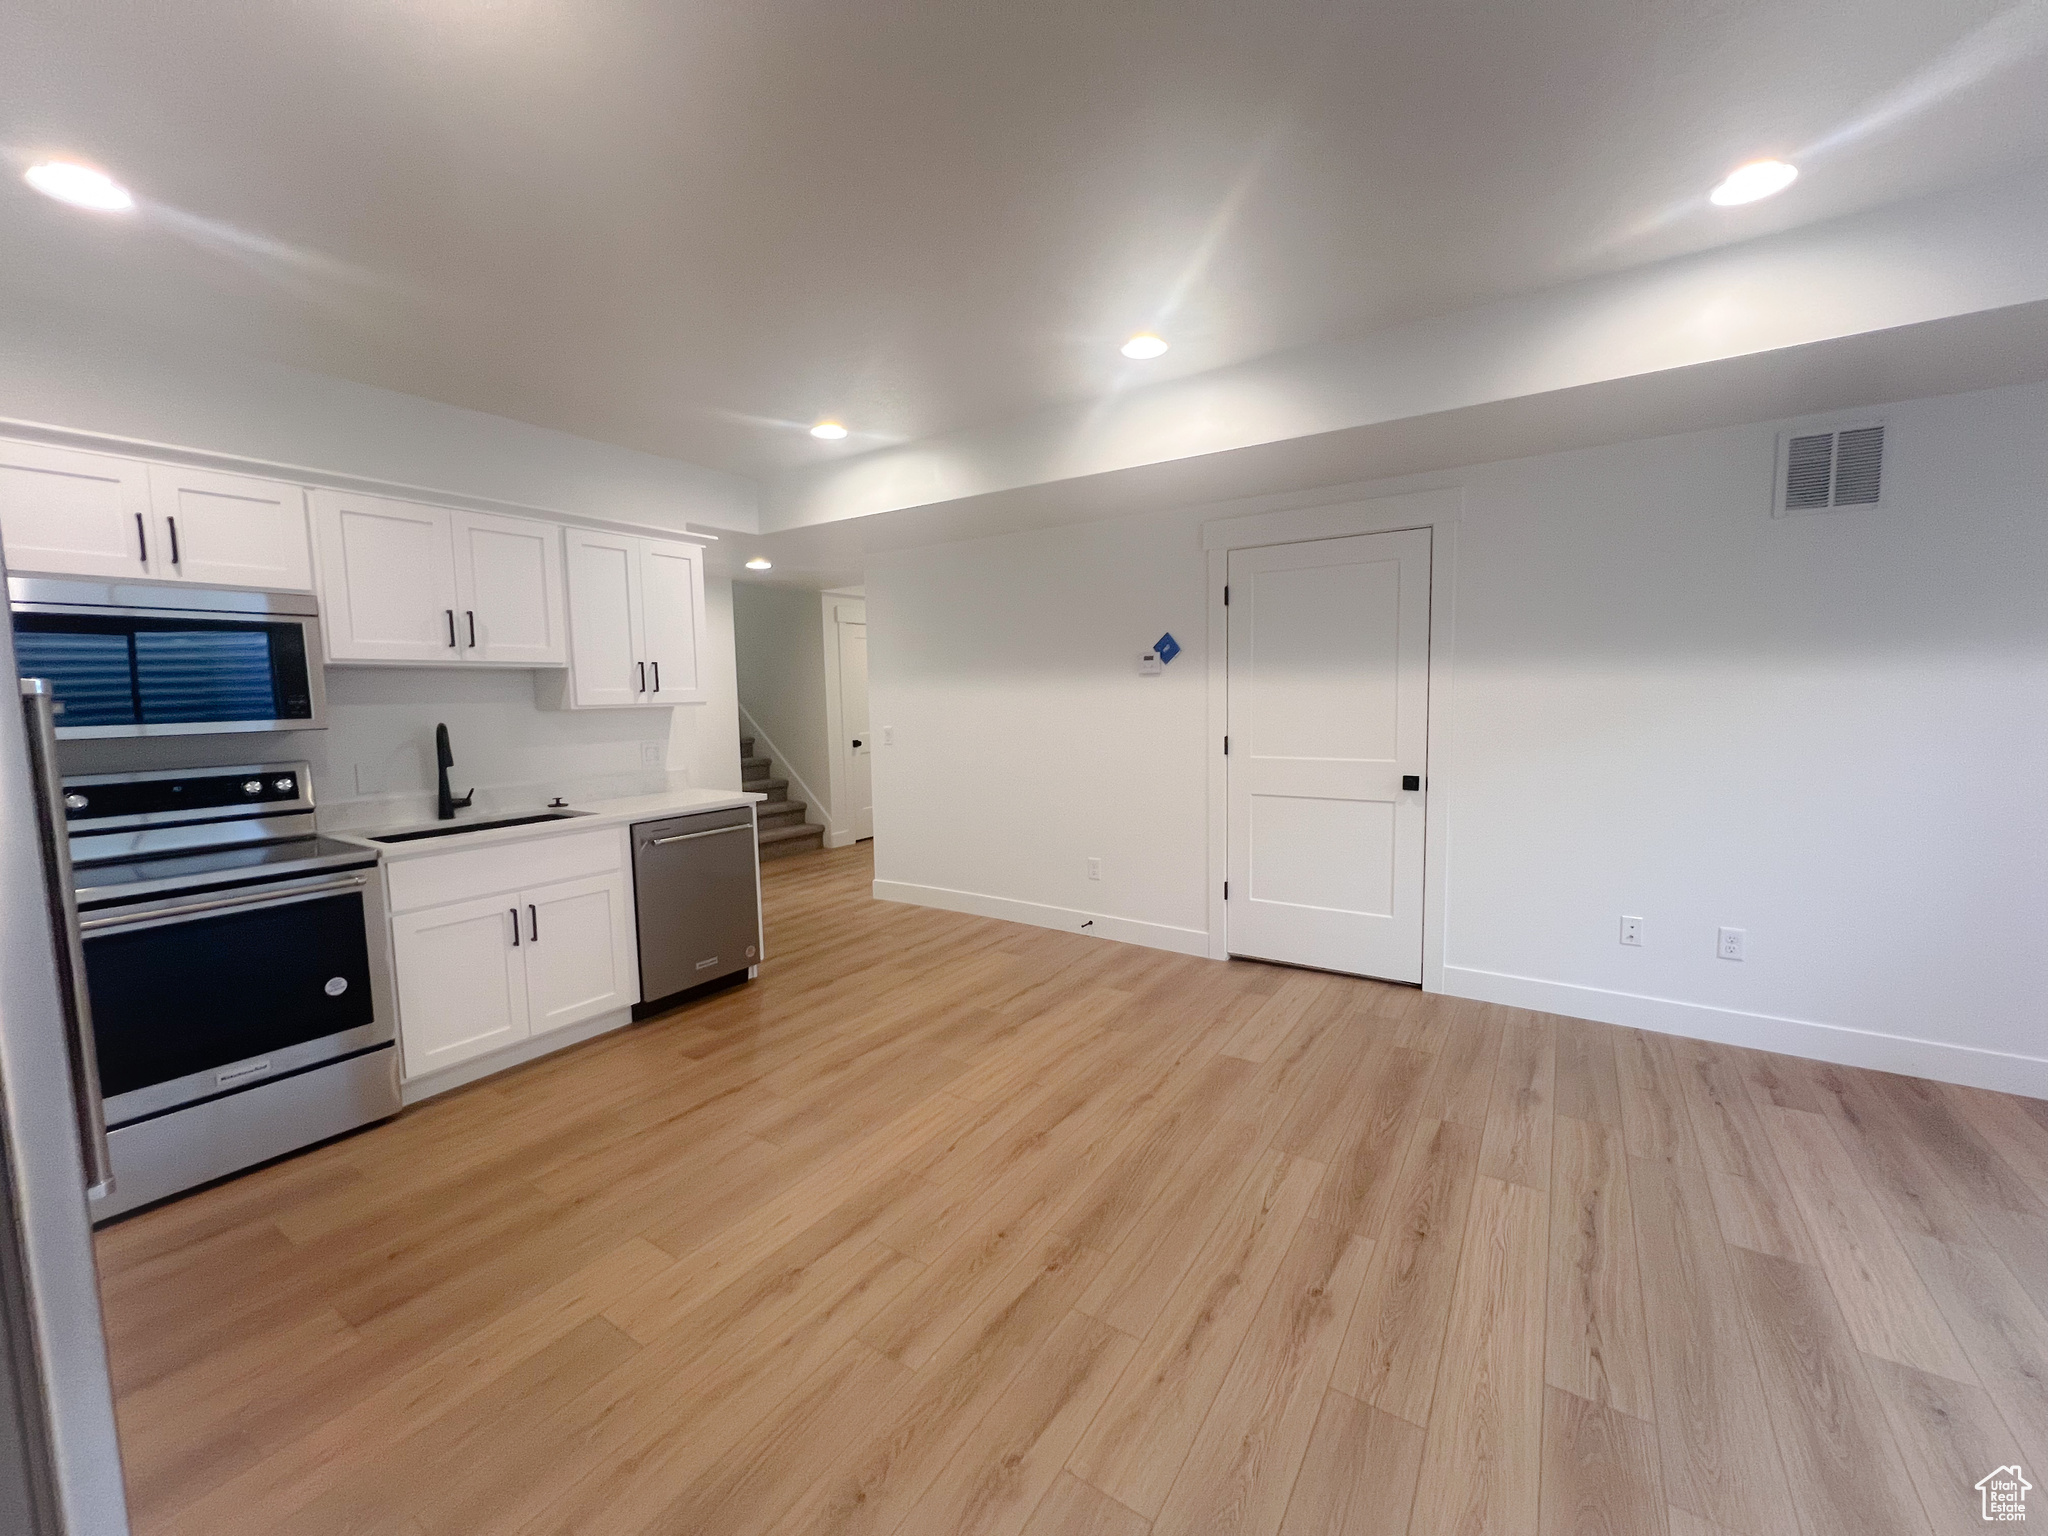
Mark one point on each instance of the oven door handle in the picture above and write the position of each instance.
(269, 898)
(41, 708)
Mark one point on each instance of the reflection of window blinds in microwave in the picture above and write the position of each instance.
(89, 673)
(1833, 469)
(187, 675)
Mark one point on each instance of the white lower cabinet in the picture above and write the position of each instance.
(484, 973)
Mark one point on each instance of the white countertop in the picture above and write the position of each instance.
(590, 814)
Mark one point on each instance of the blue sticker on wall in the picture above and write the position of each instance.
(1167, 648)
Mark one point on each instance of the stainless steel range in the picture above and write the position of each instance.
(237, 968)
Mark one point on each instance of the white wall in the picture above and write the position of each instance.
(1831, 731)
(64, 370)
(374, 764)
(781, 670)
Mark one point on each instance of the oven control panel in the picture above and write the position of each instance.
(175, 795)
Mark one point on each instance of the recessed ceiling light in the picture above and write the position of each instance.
(830, 431)
(79, 185)
(759, 564)
(1144, 346)
(1758, 179)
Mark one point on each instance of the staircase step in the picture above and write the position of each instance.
(772, 788)
(750, 767)
(779, 813)
(746, 746)
(778, 842)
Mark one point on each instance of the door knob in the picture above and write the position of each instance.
(1411, 781)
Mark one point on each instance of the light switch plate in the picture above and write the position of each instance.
(1149, 664)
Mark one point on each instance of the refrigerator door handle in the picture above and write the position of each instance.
(40, 705)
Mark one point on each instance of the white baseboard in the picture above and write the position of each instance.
(1759, 1031)
(463, 1073)
(1183, 941)
(842, 838)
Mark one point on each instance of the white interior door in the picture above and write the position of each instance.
(672, 597)
(508, 580)
(605, 665)
(853, 720)
(1328, 714)
(74, 513)
(387, 579)
(231, 530)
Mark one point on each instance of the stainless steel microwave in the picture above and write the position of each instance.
(166, 658)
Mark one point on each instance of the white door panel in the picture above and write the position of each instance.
(461, 982)
(672, 605)
(606, 667)
(580, 958)
(231, 530)
(72, 513)
(1328, 709)
(853, 718)
(508, 578)
(387, 579)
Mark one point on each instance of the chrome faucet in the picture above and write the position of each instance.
(444, 759)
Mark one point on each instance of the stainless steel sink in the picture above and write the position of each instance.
(454, 828)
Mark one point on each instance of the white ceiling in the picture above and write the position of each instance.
(694, 228)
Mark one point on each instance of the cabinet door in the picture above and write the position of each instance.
(230, 530)
(74, 514)
(581, 959)
(461, 981)
(387, 579)
(508, 583)
(606, 670)
(672, 602)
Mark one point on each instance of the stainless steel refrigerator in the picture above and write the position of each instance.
(60, 1460)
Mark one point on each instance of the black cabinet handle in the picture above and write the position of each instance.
(472, 627)
(643, 676)
(174, 540)
(451, 627)
(142, 538)
(515, 927)
(532, 917)
(657, 676)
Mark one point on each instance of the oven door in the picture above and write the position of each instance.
(205, 994)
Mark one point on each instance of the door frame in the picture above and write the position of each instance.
(1440, 511)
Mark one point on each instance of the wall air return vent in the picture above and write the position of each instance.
(1819, 471)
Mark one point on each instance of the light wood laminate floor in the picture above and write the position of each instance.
(950, 1226)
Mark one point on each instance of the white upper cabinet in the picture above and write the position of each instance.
(672, 626)
(68, 512)
(636, 613)
(508, 586)
(387, 579)
(229, 530)
(606, 668)
(74, 514)
(401, 581)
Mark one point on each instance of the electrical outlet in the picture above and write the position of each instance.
(1632, 931)
(650, 753)
(1095, 869)
(1728, 944)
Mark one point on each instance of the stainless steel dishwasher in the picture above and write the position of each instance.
(697, 886)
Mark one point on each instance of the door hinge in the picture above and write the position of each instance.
(1226, 596)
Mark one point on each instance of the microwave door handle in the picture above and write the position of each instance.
(39, 703)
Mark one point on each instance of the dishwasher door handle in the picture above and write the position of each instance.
(686, 837)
